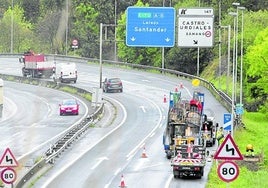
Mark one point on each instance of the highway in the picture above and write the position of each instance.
(118, 147)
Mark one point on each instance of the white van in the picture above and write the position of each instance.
(65, 72)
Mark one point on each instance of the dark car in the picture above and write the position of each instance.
(112, 84)
(69, 106)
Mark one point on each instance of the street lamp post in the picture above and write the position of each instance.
(115, 23)
(236, 45)
(66, 22)
(12, 28)
(241, 58)
(220, 44)
(228, 56)
(233, 74)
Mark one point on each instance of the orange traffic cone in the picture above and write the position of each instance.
(143, 155)
(189, 150)
(165, 99)
(122, 183)
(181, 85)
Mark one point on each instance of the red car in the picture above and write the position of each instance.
(69, 106)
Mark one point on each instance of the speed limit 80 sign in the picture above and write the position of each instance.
(8, 175)
(228, 171)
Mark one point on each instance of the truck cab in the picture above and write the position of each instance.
(209, 129)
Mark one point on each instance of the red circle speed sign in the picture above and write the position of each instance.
(228, 171)
(75, 42)
(8, 175)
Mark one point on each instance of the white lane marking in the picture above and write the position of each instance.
(8, 113)
(48, 142)
(135, 149)
(78, 157)
(112, 178)
(168, 181)
(143, 109)
(100, 160)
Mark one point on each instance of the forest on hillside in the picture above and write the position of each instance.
(49, 26)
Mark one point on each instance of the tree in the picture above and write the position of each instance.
(23, 37)
(86, 29)
(257, 72)
(47, 29)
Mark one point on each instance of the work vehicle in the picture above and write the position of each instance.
(69, 106)
(182, 141)
(183, 124)
(36, 65)
(112, 84)
(190, 160)
(65, 72)
(209, 130)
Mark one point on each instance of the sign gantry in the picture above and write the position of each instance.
(195, 27)
(150, 26)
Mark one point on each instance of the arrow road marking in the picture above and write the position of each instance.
(99, 162)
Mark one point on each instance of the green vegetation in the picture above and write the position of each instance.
(41, 25)
(68, 89)
(255, 133)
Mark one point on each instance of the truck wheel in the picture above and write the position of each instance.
(169, 155)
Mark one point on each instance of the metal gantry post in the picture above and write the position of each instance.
(101, 55)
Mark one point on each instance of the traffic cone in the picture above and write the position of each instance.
(165, 99)
(122, 183)
(181, 85)
(189, 150)
(143, 155)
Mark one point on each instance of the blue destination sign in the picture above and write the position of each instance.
(150, 26)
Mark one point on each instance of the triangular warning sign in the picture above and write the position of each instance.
(228, 150)
(8, 159)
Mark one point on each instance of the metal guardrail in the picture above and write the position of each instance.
(65, 139)
(225, 100)
(222, 97)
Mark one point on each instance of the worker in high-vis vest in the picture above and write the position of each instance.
(220, 136)
(249, 150)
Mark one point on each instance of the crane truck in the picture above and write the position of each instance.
(182, 139)
(36, 65)
(184, 120)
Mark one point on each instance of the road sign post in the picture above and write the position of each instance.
(228, 150)
(74, 43)
(8, 175)
(150, 26)
(228, 171)
(8, 159)
(195, 27)
(227, 122)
